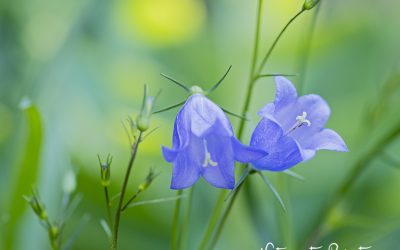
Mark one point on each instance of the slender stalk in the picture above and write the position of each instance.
(252, 68)
(130, 200)
(357, 168)
(123, 190)
(266, 57)
(213, 219)
(185, 221)
(304, 59)
(108, 206)
(221, 222)
(285, 217)
(175, 223)
(252, 80)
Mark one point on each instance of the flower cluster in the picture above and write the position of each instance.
(291, 131)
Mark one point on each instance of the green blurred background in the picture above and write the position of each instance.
(83, 64)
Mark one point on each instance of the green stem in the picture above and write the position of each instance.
(356, 170)
(252, 80)
(108, 206)
(185, 221)
(123, 190)
(175, 223)
(304, 58)
(284, 217)
(213, 219)
(221, 222)
(266, 57)
(130, 200)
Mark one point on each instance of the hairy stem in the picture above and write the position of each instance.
(123, 190)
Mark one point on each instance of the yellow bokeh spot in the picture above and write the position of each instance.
(161, 22)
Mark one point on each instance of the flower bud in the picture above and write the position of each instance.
(196, 90)
(37, 206)
(143, 120)
(54, 232)
(149, 179)
(105, 172)
(309, 4)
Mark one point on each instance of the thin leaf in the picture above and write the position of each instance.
(235, 115)
(72, 206)
(274, 191)
(27, 171)
(240, 182)
(156, 201)
(272, 75)
(293, 174)
(170, 107)
(219, 82)
(187, 89)
(106, 228)
(68, 244)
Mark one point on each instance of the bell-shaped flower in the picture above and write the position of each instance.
(203, 144)
(293, 129)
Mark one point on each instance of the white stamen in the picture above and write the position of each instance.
(301, 119)
(207, 157)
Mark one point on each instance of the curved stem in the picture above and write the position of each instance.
(175, 223)
(304, 59)
(123, 190)
(357, 168)
(251, 80)
(266, 57)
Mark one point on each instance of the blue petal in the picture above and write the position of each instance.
(201, 114)
(245, 154)
(285, 92)
(187, 165)
(221, 152)
(284, 152)
(169, 154)
(318, 113)
(327, 139)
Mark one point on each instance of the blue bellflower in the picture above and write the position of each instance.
(203, 144)
(292, 129)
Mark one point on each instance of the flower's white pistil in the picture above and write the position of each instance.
(207, 157)
(300, 120)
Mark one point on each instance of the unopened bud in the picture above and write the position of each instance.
(54, 232)
(37, 206)
(149, 179)
(105, 172)
(143, 120)
(309, 4)
(196, 90)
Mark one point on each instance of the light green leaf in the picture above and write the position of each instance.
(26, 171)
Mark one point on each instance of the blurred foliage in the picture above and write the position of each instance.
(84, 64)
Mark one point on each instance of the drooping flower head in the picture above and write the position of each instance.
(203, 144)
(292, 129)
